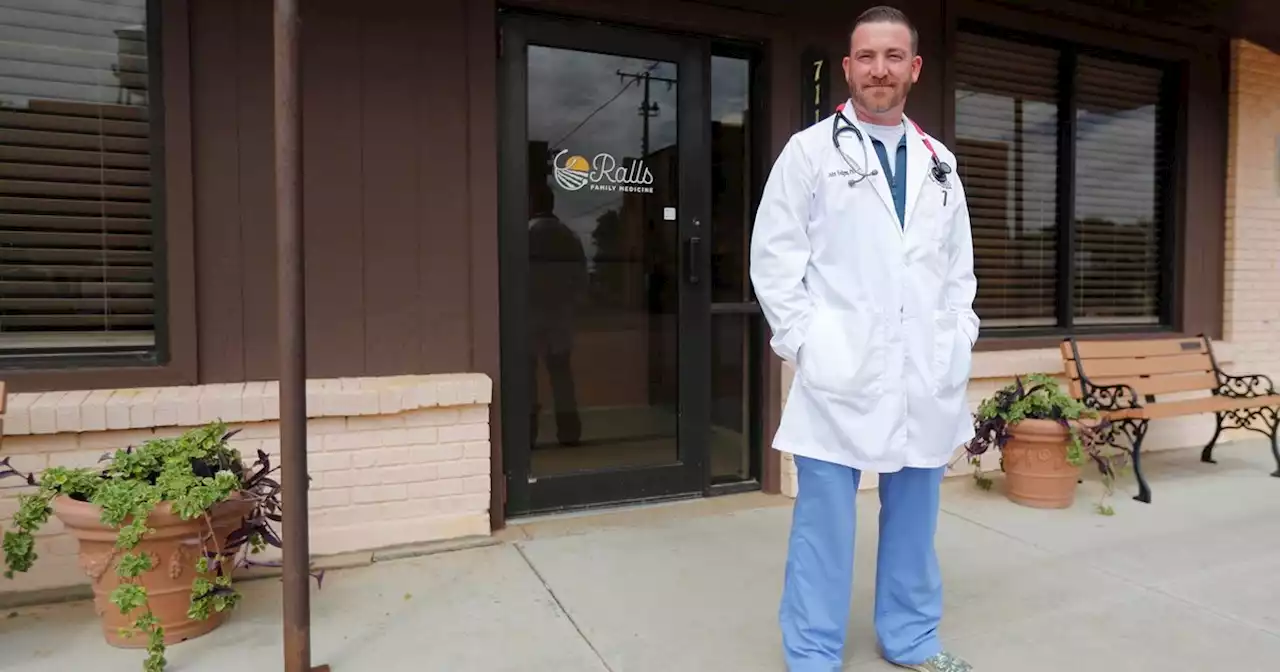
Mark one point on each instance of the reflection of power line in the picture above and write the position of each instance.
(593, 113)
(648, 109)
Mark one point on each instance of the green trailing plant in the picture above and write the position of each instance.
(192, 472)
(1039, 397)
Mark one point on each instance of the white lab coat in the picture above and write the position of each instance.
(877, 318)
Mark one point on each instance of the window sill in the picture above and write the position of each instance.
(19, 361)
(1051, 338)
(1032, 356)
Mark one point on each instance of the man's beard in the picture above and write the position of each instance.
(875, 106)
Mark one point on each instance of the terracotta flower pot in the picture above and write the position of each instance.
(174, 548)
(1037, 473)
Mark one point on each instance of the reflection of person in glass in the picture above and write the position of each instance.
(557, 281)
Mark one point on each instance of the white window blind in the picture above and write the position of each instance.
(76, 182)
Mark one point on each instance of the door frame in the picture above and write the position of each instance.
(690, 474)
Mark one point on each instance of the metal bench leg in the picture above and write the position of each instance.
(1206, 455)
(1275, 449)
(1140, 433)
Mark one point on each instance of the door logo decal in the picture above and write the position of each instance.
(602, 174)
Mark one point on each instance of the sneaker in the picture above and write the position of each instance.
(943, 662)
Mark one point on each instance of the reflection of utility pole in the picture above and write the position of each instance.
(656, 253)
(648, 109)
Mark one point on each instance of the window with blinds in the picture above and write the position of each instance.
(77, 199)
(1062, 155)
(1007, 99)
(1120, 159)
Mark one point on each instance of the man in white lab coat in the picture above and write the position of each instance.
(862, 260)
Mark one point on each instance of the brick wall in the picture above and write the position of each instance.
(393, 461)
(1252, 301)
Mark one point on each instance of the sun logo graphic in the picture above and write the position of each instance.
(574, 174)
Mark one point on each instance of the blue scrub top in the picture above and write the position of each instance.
(897, 176)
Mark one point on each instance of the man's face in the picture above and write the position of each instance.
(881, 67)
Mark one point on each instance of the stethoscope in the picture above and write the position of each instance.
(939, 171)
(836, 129)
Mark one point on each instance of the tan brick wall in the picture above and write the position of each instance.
(1252, 301)
(393, 461)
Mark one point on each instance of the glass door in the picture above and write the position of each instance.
(605, 257)
(738, 333)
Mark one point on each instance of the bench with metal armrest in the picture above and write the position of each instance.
(1121, 380)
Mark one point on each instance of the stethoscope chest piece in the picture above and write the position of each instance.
(941, 173)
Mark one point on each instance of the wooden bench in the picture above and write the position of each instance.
(1121, 380)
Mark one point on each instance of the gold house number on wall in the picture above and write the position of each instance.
(817, 90)
(816, 94)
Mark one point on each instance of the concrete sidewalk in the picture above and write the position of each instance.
(1190, 582)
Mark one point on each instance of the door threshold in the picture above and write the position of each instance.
(606, 508)
(634, 515)
(733, 488)
(715, 490)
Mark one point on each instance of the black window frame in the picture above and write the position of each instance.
(159, 353)
(1171, 120)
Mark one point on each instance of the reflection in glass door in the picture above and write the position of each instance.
(603, 285)
(604, 292)
(736, 328)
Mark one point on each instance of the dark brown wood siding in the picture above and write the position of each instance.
(385, 195)
(400, 191)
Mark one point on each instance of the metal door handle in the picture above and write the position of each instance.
(692, 258)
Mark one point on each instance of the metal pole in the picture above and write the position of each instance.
(647, 113)
(291, 322)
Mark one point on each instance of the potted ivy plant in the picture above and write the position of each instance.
(161, 528)
(1044, 437)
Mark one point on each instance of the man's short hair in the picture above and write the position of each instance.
(886, 14)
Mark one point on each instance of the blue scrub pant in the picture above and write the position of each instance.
(819, 575)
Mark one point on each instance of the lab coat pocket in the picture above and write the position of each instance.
(952, 353)
(843, 352)
(930, 225)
